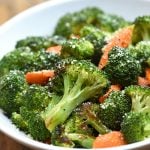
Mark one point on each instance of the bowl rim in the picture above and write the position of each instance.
(27, 140)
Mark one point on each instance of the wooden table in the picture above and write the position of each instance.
(9, 8)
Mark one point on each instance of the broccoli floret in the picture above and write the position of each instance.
(75, 132)
(16, 59)
(80, 128)
(97, 38)
(141, 30)
(89, 113)
(122, 68)
(37, 43)
(56, 40)
(10, 87)
(34, 42)
(78, 48)
(35, 123)
(90, 29)
(72, 23)
(113, 109)
(19, 121)
(111, 23)
(136, 126)
(36, 99)
(81, 80)
(43, 60)
(140, 97)
(25, 59)
(141, 51)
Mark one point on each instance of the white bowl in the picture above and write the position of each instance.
(41, 20)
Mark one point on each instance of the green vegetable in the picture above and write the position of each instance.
(80, 128)
(136, 126)
(16, 59)
(141, 51)
(111, 23)
(10, 87)
(81, 81)
(141, 30)
(78, 48)
(122, 68)
(36, 99)
(97, 38)
(43, 61)
(140, 97)
(19, 121)
(37, 43)
(113, 109)
(72, 23)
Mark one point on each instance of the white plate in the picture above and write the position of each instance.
(41, 20)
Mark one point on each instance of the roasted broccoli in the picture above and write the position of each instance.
(140, 97)
(97, 38)
(35, 123)
(81, 127)
(19, 121)
(77, 48)
(34, 42)
(73, 133)
(16, 59)
(111, 23)
(122, 68)
(89, 113)
(72, 23)
(25, 59)
(37, 43)
(36, 99)
(81, 80)
(141, 30)
(10, 87)
(141, 51)
(44, 60)
(136, 126)
(113, 109)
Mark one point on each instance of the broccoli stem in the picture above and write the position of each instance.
(72, 98)
(99, 127)
(84, 140)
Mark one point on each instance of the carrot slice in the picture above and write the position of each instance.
(54, 49)
(111, 139)
(39, 77)
(116, 87)
(143, 81)
(147, 72)
(121, 38)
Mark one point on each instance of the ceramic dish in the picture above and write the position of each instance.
(41, 20)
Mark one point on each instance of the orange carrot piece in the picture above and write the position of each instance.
(111, 139)
(39, 77)
(121, 38)
(116, 87)
(55, 49)
(147, 72)
(143, 81)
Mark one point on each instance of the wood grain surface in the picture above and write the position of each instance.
(8, 9)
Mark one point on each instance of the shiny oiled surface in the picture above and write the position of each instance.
(8, 9)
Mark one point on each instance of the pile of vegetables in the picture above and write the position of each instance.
(85, 86)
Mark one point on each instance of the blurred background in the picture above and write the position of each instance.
(8, 9)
